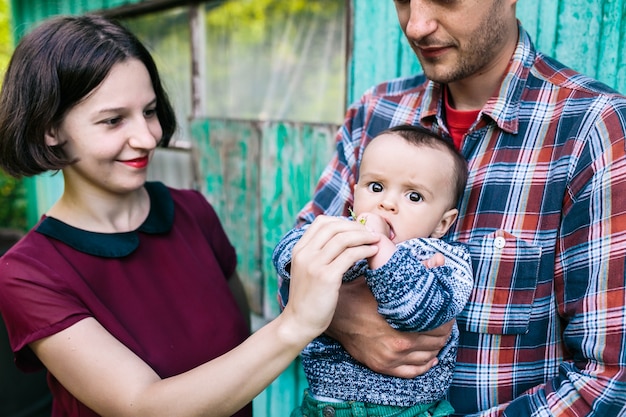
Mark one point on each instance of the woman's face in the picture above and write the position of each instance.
(112, 132)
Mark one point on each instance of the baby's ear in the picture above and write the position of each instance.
(444, 224)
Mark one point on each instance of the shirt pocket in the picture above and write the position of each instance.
(505, 280)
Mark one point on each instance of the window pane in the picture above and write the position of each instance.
(166, 34)
(265, 59)
(276, 60)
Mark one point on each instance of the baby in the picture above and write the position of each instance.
(409, 184)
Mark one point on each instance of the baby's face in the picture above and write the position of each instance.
(408, 186)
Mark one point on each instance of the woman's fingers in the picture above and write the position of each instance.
(331, 240)
(324, 253)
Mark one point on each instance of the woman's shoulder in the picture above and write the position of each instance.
(184, 199)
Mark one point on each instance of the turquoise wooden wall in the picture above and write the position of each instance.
(26, 13)
(259, 174)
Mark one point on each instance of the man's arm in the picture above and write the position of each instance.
(368, 338)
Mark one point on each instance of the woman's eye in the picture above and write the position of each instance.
(375, 187)
(150, 113)
(113, 121)
(415, 196)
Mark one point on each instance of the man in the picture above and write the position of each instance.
(544, 216)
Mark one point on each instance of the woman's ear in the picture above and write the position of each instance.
(444, 224)
(51, 137)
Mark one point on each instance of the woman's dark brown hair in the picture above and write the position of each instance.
(52, 69)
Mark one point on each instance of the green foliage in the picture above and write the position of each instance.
(276, 60)
(252, 16)
(12, 203)
(6, 36)
(12, 191)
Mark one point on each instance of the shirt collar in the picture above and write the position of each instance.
(502, 108)
(115, 245)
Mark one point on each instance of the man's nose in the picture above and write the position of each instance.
(422, 21)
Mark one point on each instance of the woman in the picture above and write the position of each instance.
(126, 291)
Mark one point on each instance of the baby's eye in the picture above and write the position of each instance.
(375, 187)
(415, 196)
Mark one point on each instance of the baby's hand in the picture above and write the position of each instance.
(374, 223)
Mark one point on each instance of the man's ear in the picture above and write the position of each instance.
(444, 224)
(52, 137)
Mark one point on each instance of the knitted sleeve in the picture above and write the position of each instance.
(412, 297)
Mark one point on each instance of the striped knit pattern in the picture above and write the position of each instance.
(411, 297)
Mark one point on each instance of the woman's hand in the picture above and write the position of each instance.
(324, 253)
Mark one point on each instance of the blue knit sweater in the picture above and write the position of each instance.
(411, 297)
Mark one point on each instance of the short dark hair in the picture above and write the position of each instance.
(419, 135)
(52, 69)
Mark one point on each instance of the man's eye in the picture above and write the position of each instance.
(415, 196)
(375, 187)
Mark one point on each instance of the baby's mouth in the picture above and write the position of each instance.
(392, 234)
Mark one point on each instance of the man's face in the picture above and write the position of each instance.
(458, 39)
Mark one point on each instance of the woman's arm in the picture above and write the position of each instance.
(107, 377)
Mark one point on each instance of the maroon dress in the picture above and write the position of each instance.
(160, 290)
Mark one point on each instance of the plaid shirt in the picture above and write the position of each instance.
(544, 216)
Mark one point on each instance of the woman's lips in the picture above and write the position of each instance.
(137, 162)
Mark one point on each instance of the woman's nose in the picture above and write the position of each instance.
(144, 135)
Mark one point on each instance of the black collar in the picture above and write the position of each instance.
(115, 245)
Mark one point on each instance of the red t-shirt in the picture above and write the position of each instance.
(161, 290)
(458, 121)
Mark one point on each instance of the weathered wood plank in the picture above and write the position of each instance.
(292, 159)
(283, 395)
(258, 176)
(228, 155)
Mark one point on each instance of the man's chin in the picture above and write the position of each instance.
(439, 74)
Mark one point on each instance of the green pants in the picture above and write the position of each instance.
(312, 408)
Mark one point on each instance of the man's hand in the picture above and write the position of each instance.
(369, 339)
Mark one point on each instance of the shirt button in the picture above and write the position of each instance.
(328, 411)
(499, 242)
